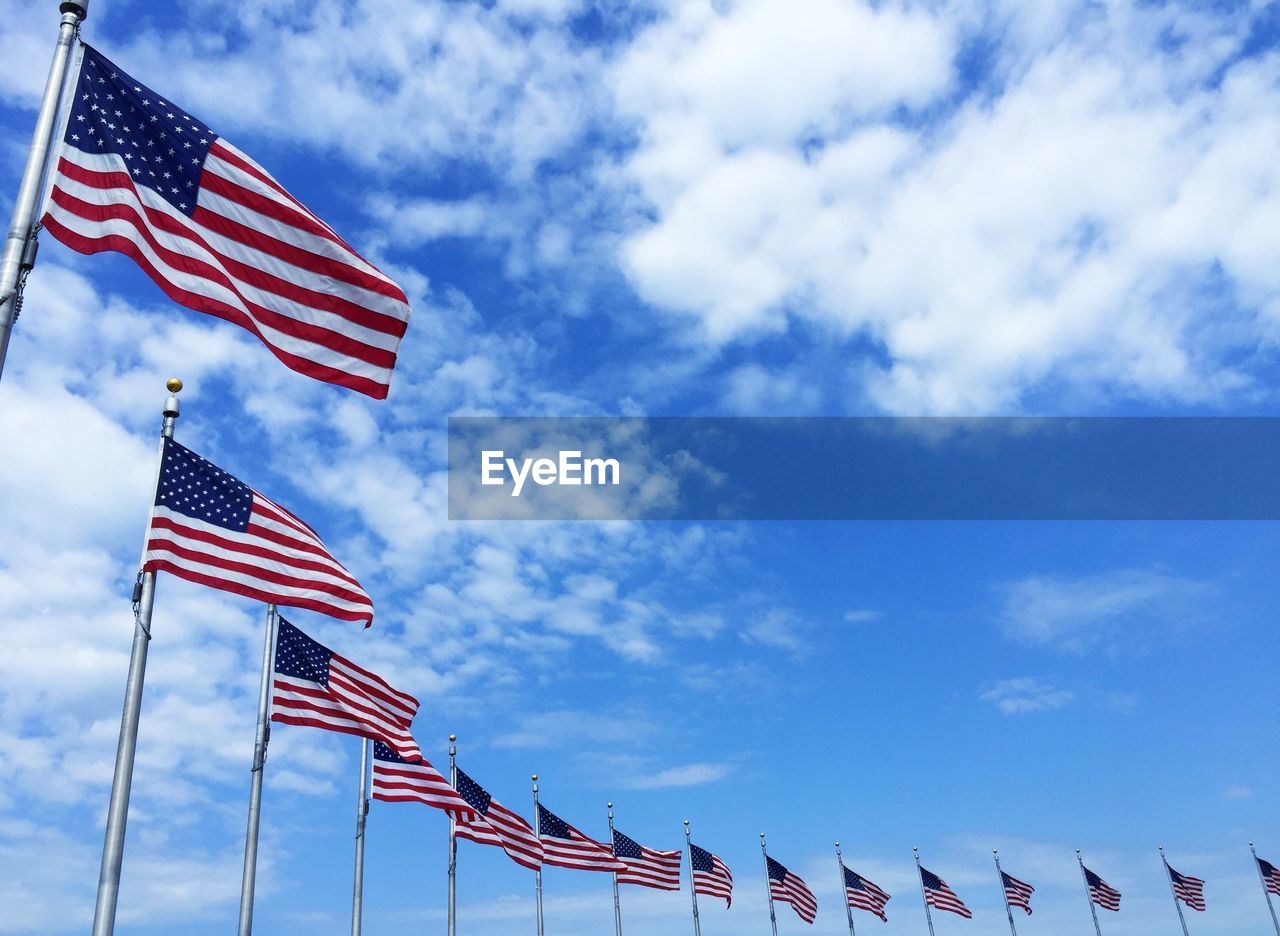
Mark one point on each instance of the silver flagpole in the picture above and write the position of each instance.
(1265, 893)
(261, 738)
(768, 888)
(844, 891)
(19, 254)
(362, 815)
(537, 875)
(923, 895)
(1172, 890)
(144, 593)
(617, 905)
(453, 840)
(1004, 893)
(693, 890)
(1088, 896)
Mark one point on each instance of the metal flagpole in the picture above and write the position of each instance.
(144, 593)
(1172, 890)
(1004, 893)
(1088, 896)
(537, 874)
(362, 814)
(924, 896)
(768, 888)
(617, 906)
(1265, 893)
(844, 891)
(261, 738)
(693, 890)
(19, 254)
(453, 840)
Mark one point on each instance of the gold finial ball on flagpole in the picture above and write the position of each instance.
(173, 384)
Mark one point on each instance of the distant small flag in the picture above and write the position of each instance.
(494, 824)
(400, 780)
(1270, 876)
(565, 847)
(1102, 893)
(1190, 890)
(940, 896)
(646, 866)
(1018, 893)
(711, 876)
(861, 894)
(786, 887)
(314, 686)
(209, 527)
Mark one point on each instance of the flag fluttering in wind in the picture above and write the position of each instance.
(787, 887)
(565, 847)
(711, 876)
(316, 687)
(1018, 893)
(209, 527)
(939, 895)
(399, 779)
(1190, 890)
(861, 894)
(646, 866)
(491, 823)
(1270, 876)
(138, 175)
(1100, 892)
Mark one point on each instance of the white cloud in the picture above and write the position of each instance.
(684, 775)
(1026, 694)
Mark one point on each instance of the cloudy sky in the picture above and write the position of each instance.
(817, 207)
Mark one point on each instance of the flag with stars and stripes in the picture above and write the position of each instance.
(494, 824)
(861, 894)
(565, 847)
(209, 527)
(646, 866)
(1188, 889)
(788, 887)
(1270, 876)
(399, 779)
(138, 175)
(940, 896)
(1018, 893)
(711, 876)
(316, 687)
(1100, 892)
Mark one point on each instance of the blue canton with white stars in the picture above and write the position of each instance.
(299, 656)
(199, 489)
(701, 858)
(551, 825)
(851, 879)
(474, 793)
(163, 147)
(383, 753)
(777, 872)
(624, 847)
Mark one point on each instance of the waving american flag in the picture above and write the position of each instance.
(788, 887)
(711, 876)
(861, 894)
(1188, 889)
(939, 895)
(647, 867)
(1017, 893)
(565, 847)
(494, 824)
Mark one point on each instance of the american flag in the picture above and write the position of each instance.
(1270, 876)
(646, 866)
(494, 824)
(786, 887)
(565, 847)
(1100, 892)
(1018, 893)
(398, 779)
(1190, 890)
(861, 894)
(209, 527)
(940, 896)
(316, 687)
(138, 175)
(711, 876)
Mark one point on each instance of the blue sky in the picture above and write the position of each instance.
(824, 207)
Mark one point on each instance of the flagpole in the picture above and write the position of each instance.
(1173, 891)
(19, 254)
(1005, 893)
(844, 891)
(693, 889)
(1265, 893)
(362, 814)
(453, 840)
(768, 888)
(617, 905)
(144, 593)
(262, 737)
(924, 896)
(537, 874)
(1088, 896)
